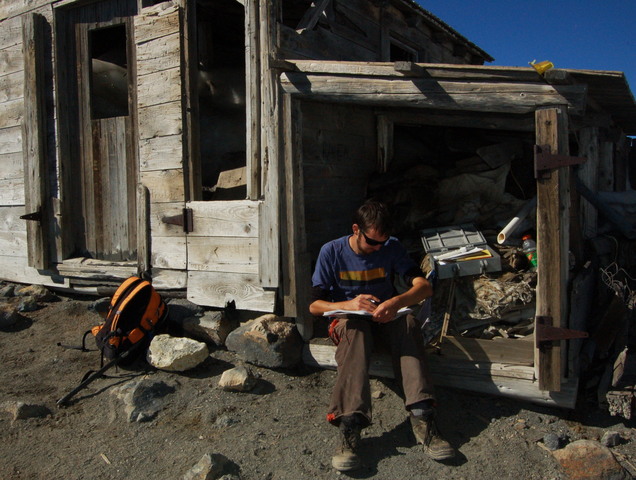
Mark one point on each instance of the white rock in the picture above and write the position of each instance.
(176, 354)
(238, 379)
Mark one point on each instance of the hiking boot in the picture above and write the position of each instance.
(426, 433)
(346, 458)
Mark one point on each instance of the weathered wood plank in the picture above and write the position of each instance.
(159, 211)
(169, 279)
(155, 22)
(144, 263)
(237, 218)
(223, 254)
(503, 350)
(218, 289)
(11, 86)
(11, 113)
(34, 140)
(12, 191)
(552, 242)
(160, 54)
(269, 216)
(164, 185)
(10, 220)
(11, 59)
(425, 93)
(88, 268)
(16, 269)
(11, 140)
(11, 165)
(253, 96)
(161, 153)
(491, 378)
(588, 174)
(10, 31)
(159, 87)
(13, 243)
(160, 120)
(169, 252)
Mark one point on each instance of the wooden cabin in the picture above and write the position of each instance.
(214, 145)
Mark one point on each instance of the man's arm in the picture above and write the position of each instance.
(361, 302)
(420, 289)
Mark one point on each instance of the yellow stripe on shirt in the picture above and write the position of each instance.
(363, 275)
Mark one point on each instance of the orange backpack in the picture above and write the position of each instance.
(135, 312)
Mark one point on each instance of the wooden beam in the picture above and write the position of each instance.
(312, 15)
(426, 93)
(296, 259)
(269, 242)
(508, 380)
(553, 203)
(253, 95)
(34, 142)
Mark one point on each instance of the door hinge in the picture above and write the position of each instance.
(546, 333)
(185, 220)
(36, 216)
(544, 160)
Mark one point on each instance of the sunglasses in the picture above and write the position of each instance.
(371, 242)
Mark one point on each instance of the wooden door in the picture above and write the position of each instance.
(100, 199)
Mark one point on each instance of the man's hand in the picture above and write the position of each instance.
(386, 311)
(366, 302)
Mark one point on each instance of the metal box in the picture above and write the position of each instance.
(442, 240)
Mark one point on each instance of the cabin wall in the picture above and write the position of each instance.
(14, 265)
(339, 154)
(364, 31)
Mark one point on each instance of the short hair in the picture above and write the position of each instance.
(373, 214)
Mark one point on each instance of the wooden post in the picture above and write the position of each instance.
(553, 205)
(297, 278)
(588, 174)
(253, 95)
(36, 195)
(143, 230)
(269, 234)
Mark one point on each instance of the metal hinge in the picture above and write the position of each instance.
(184, 220)
(36, 216)
(546, 333)
(544, 160)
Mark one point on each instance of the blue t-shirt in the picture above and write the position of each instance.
(345, 274)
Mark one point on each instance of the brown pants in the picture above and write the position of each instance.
(352, 393)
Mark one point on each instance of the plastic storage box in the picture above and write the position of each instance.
(460, 239)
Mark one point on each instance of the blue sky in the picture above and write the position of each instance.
(584, 34)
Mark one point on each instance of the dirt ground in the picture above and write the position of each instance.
(276, 431)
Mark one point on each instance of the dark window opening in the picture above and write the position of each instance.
(401, 53)
(294, 11)
(221, 93)
(109, 72)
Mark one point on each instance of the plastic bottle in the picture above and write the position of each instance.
(529, 247)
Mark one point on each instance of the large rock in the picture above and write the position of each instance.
(589, 460)
(8, 315)
(238, 379)
(176, 354)
(143, 399)
(210, 467)
(38, 292)
(267, 341)
(21, 410)
(213, 327)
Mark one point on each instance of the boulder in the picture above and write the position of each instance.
(28, 304)
(38, 292)
(143, 399)
(210, 467)
(8, 315)
(238, 379)
(21, 410)
(176, 354)
(268, 341)
(589, 460)
(213, 327)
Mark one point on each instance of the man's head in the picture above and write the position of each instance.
(371, 226)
